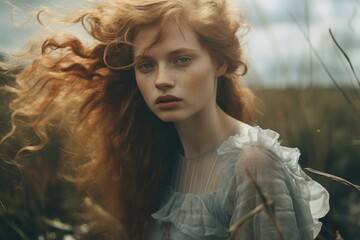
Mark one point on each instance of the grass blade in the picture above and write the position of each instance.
(345, 55)
(267, 205)
(324, 67)
(4, 215)
(238, 224)
(335, 178)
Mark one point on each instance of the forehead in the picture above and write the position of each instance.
(165, 38)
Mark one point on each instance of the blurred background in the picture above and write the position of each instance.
(306, 89)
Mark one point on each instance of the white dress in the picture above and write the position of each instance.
(203, 206)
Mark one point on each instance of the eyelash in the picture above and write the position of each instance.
(148, 66)
(180, 60)
(145, 66)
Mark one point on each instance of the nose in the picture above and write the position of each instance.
(164, 80)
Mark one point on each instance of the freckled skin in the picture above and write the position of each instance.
(177, 66)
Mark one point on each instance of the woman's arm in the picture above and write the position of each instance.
(290, 211)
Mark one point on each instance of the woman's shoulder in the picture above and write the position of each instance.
(260, 151)
(255, 140)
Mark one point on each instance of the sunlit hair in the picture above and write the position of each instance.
(89, 91)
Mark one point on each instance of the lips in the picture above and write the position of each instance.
(168, 102)
(166, 99)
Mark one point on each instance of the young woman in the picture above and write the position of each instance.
(159, 121)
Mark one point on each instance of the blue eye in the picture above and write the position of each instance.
(146, 66)
(182, 60)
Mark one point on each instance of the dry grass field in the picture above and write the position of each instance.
(324, 125)
(326, 129)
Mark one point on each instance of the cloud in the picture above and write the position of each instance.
(278, 47)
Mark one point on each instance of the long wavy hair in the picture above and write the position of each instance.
(123, 153)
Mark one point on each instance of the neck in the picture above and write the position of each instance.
(201, 133)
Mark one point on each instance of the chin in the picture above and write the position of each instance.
(170, 117)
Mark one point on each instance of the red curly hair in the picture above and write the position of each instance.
(124, 153)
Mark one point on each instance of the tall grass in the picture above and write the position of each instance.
(323, 122)
(326, 131)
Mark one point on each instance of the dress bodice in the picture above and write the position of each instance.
(203, 206)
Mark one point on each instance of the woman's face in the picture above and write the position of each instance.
(176, 77)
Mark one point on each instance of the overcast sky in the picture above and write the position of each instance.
(276, 46)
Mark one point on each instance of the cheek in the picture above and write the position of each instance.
(203, 83)
(140, 84)
(138, 80)
(144, 90)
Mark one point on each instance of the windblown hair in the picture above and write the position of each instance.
(89, 90)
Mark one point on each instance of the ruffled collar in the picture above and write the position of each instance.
(189, 212)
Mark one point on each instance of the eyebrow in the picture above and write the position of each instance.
(172, 53)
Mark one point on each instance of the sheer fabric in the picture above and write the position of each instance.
(213, 191)
(198, 175)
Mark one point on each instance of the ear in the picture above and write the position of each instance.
(221, 69)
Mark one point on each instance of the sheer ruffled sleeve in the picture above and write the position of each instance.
(298, 200)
